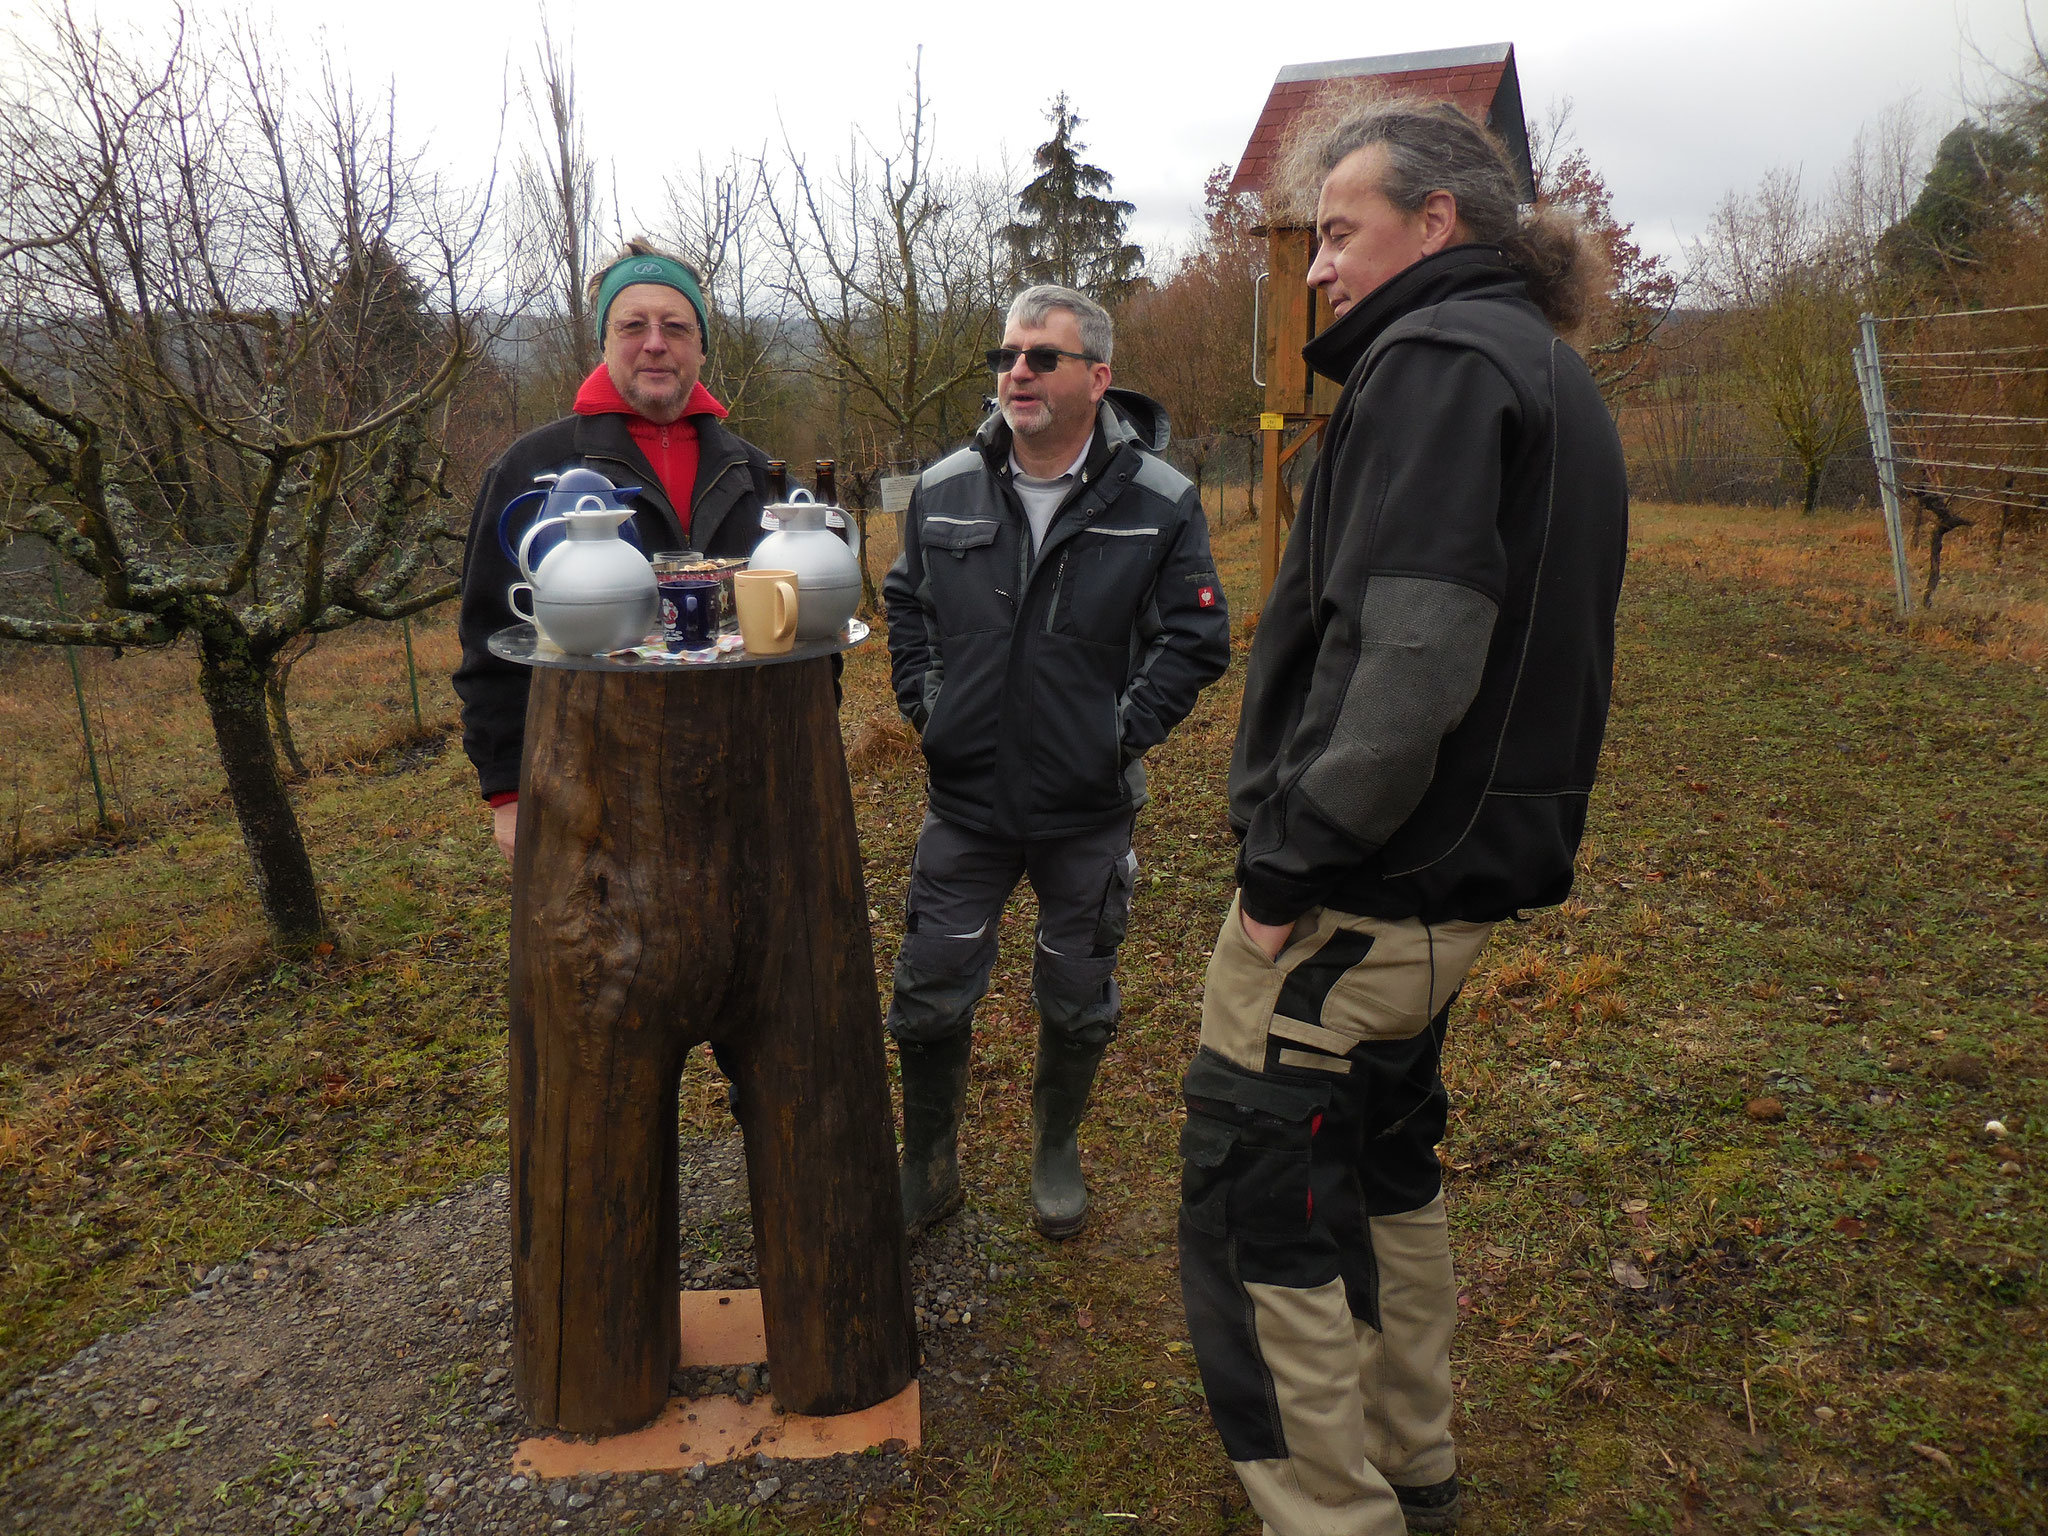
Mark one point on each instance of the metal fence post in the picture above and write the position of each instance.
(1877, 418)
(412, 675)
(92, 760)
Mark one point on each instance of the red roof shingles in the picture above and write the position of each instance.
(1471, 90)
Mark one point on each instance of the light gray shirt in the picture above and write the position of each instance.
(1042, 497)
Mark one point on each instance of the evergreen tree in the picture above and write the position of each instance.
(1967, 200)
(1069, 230)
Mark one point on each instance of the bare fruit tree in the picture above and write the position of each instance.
(1787, 302)
(898, 269)
(230, 327)
(558, 213)
(722, 225)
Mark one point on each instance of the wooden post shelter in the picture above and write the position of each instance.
(1480, 81)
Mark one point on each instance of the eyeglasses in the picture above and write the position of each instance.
(1042, 359)
(674, 332)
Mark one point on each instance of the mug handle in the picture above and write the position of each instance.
(512, 600)
(785, 609)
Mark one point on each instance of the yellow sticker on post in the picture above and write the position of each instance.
(1271, 421)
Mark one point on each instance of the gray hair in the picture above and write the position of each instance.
(1098, 331)
(1433, 147)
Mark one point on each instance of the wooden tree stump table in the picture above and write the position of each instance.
(687, 871)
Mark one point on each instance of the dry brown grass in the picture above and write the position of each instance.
(1988, 603)
(349, 699)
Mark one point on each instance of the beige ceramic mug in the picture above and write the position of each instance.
(767, 604)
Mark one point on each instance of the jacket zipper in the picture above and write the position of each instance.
(1059, 581)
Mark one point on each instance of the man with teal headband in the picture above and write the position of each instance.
(643, 418)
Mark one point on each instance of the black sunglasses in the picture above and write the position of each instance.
(1042, 359)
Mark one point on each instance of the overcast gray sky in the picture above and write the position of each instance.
(1676, 104)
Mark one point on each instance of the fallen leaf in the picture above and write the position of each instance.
(1147, 1386)
(1631, 1207)
(1754, 1225)
(1939, 1457)
(1627, 1275)
(325, 1421)
(1495, 1251)
(1764, 1109)
(1085, 1318)
(1849, 1227)
(1863, 1162)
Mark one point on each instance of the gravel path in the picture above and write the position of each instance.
(362, 1382)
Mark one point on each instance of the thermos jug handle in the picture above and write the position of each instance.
(505, 523)
(526, 542)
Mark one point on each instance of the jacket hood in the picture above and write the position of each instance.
(1463, 271)
(599, 396)
(1124, 416)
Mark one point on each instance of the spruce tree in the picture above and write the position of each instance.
(1069, 230)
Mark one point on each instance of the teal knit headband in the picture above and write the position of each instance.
(659, 270)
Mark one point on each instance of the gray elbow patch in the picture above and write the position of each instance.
(1421, 652)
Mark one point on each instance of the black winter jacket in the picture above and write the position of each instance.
(1428, 689)
(725, 519)
(1039, 685)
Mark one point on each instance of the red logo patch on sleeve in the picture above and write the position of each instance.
(1205, 597)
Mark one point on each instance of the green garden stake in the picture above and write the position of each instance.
(92, 761)
(412, 675)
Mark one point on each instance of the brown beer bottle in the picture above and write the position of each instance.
(828, 482)
(778, 481)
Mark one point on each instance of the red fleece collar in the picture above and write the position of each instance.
(600, 397)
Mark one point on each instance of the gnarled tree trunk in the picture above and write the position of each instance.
(231, 679)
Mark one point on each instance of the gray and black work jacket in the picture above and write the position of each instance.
(1427, 693)
(1038, 684)
(725, 519)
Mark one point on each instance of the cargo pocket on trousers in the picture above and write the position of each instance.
(1246, 1151)
(1114, 919)
(1204, 1148)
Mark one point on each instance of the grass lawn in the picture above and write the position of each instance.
(1737, 1251)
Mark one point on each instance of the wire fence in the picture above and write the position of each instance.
(1956, 403)
(103, 742)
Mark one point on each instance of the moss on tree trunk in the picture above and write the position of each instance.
(231, 678)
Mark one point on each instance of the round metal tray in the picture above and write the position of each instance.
(521, 643)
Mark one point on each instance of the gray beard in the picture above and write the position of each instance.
(1038, 426)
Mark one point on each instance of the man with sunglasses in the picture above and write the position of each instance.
(1055, 612)
(643, 418)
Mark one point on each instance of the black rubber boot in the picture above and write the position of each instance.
(934, 1089)
(1434, 1508)
(1059, 1097)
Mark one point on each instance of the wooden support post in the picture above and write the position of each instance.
(687, 870)
(1271, 425)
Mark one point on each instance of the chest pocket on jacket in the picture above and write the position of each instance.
(1108, 574)
(961, 563)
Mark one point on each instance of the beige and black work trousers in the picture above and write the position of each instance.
(1314, 1257)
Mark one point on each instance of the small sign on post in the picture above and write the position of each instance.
(896, 491)
(1272, 421)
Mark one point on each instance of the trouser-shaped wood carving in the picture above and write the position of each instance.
(687, 870)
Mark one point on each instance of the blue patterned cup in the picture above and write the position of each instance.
(689, 616)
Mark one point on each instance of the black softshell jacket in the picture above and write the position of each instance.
(1428, 688)
(1038, 685)
(725, 519)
